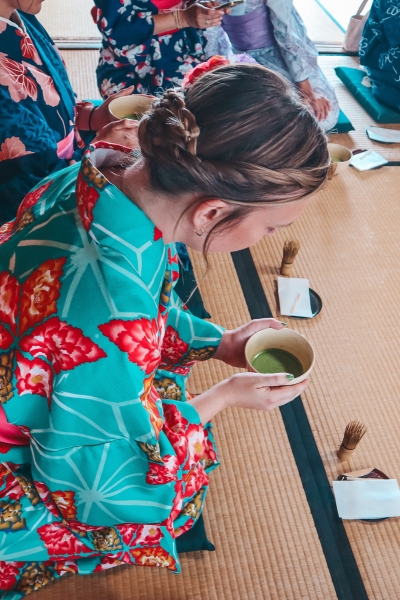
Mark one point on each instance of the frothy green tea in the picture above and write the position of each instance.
(275, 360)
(132, 116)
(336, 159)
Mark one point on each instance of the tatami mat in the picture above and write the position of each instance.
(355, 112)
(69, 20)
(81, 67)
(346, 236)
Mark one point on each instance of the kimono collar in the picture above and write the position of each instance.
(17, 22)
(101, 201)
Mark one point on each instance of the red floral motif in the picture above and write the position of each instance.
(13, 147)
(87, 197)
(128, 532)
(31, 199)
(184, 528)
(50, 94)
(213, 63)
(157, 234)
(4, 448)
(194, 480)
(9, 292)
(63, 345)
(59, 540)
(174, 428)
(40, 293)
(27, 47)
(154, 557)
(149, 535)
(65, 502)
(34, 377)
(140, 339)
(47, 498)
(6, 231)
(108, 562)
(6, 339)
(195, 438)
(159, 474)
(149, 400)
(8, 575)
(13, 75)
(173, 348)
(63, 568)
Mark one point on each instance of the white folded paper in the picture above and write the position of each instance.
(367, 498)
(380, 134)
(368, 160)
(289, 289)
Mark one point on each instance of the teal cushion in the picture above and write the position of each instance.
(194, 539)
(343, 125)
(352, 79)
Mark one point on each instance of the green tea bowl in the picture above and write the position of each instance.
(283, 339)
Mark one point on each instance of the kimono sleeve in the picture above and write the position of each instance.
(298, 52)
(187, 340)
(125, 25)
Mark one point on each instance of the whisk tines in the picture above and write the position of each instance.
(354, 432)
(290, 251)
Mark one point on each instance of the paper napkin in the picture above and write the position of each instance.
(380, 134)
(368, 160)
(288, 290)
(367, 498)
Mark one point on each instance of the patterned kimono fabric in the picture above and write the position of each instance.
(37, 107)
(293, 55)
(133, 55)
(104, 461)
(380, 51)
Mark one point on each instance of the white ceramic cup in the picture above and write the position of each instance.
(345, 155)
(284, 339)
(136, 104)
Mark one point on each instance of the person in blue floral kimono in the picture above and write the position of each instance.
(39, 115)
(105, 455)
(149, 44)
(380, 51)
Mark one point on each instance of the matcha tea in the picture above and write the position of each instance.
(336, 159)
(275, 360)
(132, 116)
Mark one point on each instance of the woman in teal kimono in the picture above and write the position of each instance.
(105, 455)
(40, 118)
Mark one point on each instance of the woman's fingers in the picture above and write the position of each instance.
(282, 395)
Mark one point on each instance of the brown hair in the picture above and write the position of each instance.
(240, 133)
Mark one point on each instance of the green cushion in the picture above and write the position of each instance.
(352, 79)
(343, 125)
(194, 539)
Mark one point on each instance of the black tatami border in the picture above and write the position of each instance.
(335, 544)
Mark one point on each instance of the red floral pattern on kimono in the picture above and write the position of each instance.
(88, 315)
(63, 345)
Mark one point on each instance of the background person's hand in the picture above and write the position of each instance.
(101, 115)
(124, 132)
(200, 17)
(319, 104)
(231, 348)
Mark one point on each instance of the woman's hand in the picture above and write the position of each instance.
(200, 17)
(124, 132)
(101, 115)
(319, 104)
(231, 348)
(247, 390)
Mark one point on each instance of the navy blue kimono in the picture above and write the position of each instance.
(380, 51)
(37, 107)
(133, 55)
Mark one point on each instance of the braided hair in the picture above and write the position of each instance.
(239, 133)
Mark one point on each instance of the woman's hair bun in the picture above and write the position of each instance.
(169, 129)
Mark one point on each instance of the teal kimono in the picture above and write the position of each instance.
(103, 460)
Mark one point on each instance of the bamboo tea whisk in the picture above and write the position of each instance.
(353, 433)
(290, 250)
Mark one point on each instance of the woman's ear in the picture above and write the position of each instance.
(208, 213)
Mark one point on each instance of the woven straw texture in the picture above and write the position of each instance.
(69, 20)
